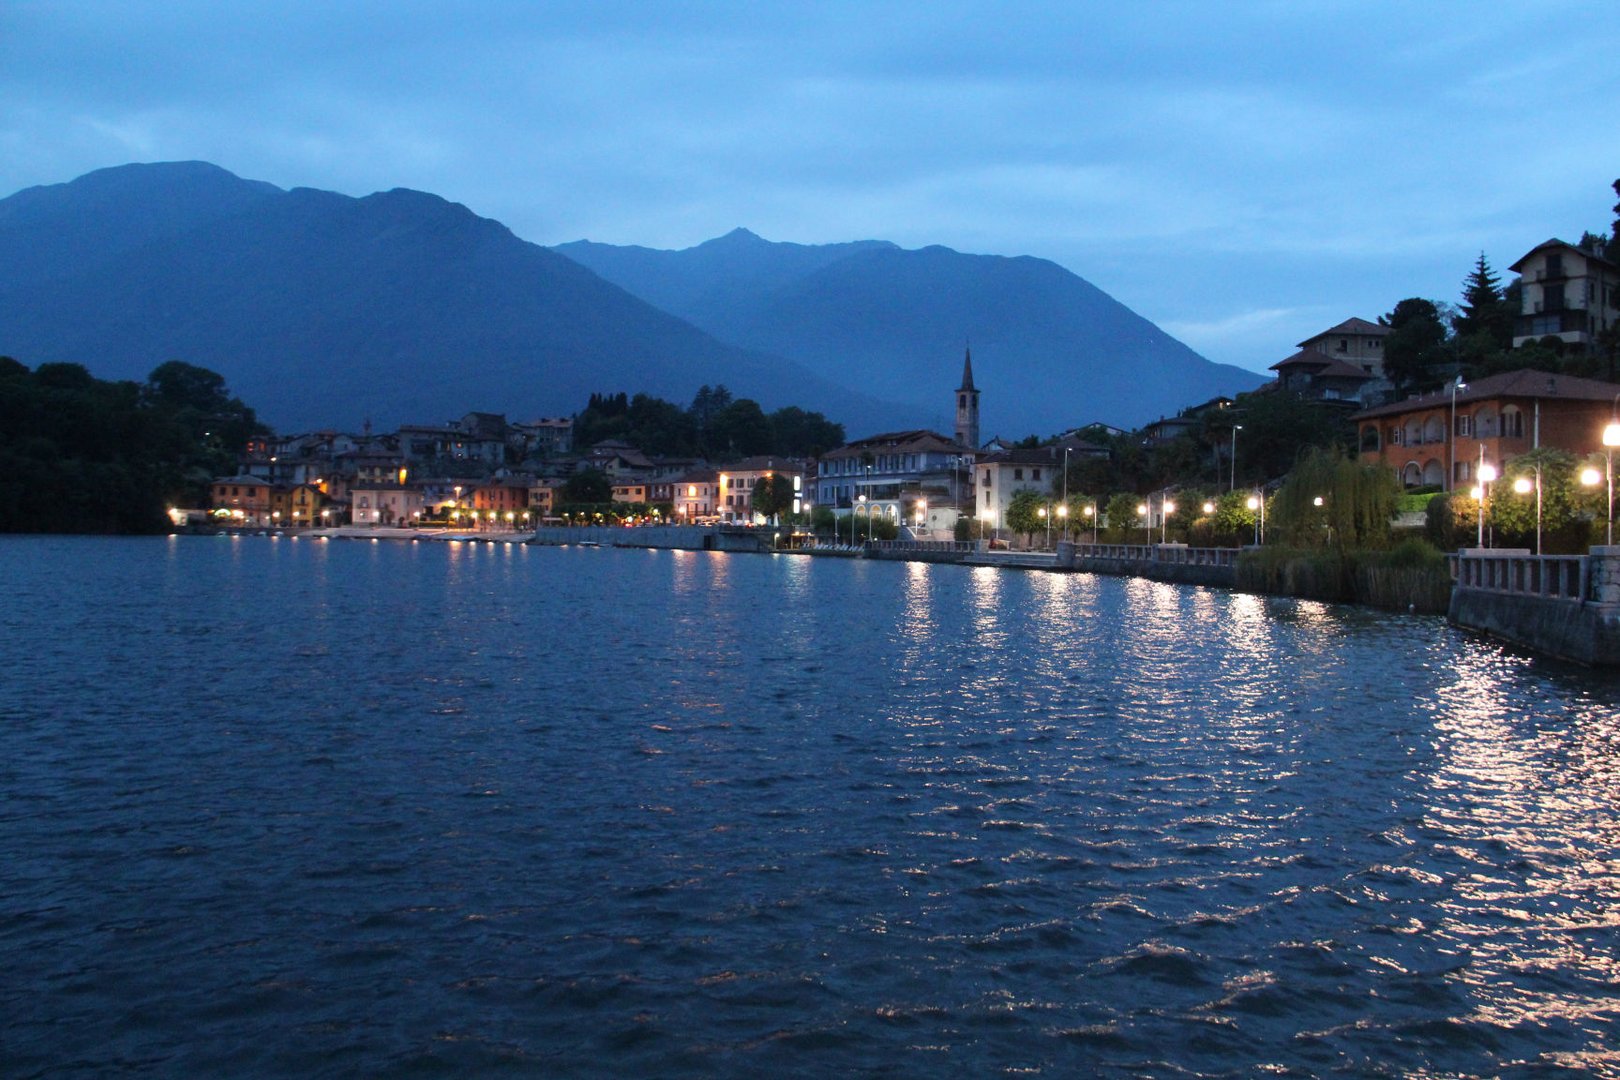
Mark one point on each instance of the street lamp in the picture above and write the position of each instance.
(1166, 508)
(1487, 473)
(1147, 526)
(1524, 486)
(1044, 516)
(1091, 512)
(1451, 440)
(1611, 439)
(922, 512)
(861, 504)
(1235, 429)
(1063, 512)
(1258, 502)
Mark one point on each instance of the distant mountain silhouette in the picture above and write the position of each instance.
(1050, 350)
(322, 310)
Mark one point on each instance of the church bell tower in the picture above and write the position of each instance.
(967, 406)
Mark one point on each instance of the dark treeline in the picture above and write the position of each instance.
(715, 426)
(82, 455)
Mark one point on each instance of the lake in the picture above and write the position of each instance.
(298, 807)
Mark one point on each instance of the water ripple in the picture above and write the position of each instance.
(280, 807)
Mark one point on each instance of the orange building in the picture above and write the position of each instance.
(1439, 439)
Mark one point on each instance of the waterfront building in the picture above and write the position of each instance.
(695, 496)
(385, 503)
(500, 496)
(736, 485)
(894, 471)
(1496, 418)
(241, 500)
(1567, 293)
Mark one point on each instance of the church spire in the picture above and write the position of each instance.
(967, 406)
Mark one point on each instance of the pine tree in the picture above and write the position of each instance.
(1484, 325)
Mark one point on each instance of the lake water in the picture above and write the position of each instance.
(275, 807)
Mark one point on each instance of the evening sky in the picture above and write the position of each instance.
(1242, 174)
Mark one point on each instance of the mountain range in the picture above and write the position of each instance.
(322, 310)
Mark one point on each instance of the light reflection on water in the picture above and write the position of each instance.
(479, 808)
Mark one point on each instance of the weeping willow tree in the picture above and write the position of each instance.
(1329, 500)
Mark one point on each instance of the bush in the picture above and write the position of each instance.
(1413, 576)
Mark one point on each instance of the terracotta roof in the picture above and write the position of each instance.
(1524, 383)
(1350, 326)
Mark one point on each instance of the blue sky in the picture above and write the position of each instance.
(1243, 174)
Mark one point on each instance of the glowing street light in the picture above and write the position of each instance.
(1091, 512)
(1044, 516)
(1486, 473)
(1257, 501)
(1147, 526)
(1063, 512)
(1166, 508)
(1523, 485)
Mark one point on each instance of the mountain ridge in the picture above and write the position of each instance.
(1051, 350)
(399, 306)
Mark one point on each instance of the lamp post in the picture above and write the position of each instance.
(1611, 439)
(1232, 486)
(922, 512)
(1147, 524)
(1063, 512)
(1524, 486)
(860, 504)
(1044, 516)
(1451, 440)
(1486, 473)
(1065, 509)
(1166, 508)
(1257, 501)
(1091, 512)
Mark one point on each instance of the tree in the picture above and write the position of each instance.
(1565, 511)
(1023, 512)
(1484, 321)
(741, 429)
(588, 486)
(1414, 350)
(804, 434)
(1330, 500)
(773, 495)
(1124, 514)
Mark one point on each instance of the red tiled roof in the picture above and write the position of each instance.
(1524, 383)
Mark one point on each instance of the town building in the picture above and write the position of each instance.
(1566, 293)
(1439, 440)
(696, 497)
(890, 473)
(241, 500)
(1355, 342)
(385, 503)
(737, 480)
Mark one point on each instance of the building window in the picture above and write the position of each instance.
(1461, 471)
(1344, 344)
(1512, 423)
(1034, 474)
(1465, 426)
(1018, 474)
